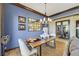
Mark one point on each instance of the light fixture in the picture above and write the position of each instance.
(46, 19)
(49, 20)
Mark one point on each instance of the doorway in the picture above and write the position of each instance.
(62, 29)
(77, 28)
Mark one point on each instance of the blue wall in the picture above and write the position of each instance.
(11, 14)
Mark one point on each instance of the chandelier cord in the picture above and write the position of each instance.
(45, 8)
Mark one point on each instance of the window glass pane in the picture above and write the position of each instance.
(58, 23)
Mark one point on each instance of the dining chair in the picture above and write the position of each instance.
(25, 50)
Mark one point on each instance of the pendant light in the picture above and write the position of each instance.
(46, 19)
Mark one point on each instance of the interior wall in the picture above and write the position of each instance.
(0, 27)
(52, 28)
(67, 16)
(67, 13)
(72, 19)
(11, 14)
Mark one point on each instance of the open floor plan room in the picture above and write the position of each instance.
(39, 29)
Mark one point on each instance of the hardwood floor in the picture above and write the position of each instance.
(58, 51)
(46, 50)
(13, 52)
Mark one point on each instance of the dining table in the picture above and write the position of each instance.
(39, 42)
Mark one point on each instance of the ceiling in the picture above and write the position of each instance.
(51, 8)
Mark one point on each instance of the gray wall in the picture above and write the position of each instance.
(68, 13)
(72, 19)
(0, 29)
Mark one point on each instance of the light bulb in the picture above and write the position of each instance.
(44, 19)
(40, 20)
(49, 20)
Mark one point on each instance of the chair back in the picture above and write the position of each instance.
(23, 48)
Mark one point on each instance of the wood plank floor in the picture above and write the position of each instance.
(58, 51)
(46, 51)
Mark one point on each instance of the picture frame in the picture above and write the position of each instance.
(21, 26)
(34, 25)
(21, 19)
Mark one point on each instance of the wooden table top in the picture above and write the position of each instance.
(38, 43)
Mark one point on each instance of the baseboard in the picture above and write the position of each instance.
(10, 49)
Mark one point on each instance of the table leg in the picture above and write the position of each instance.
(40, 50)
(54, 43)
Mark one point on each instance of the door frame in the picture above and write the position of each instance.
(61, 24)
(76, 27)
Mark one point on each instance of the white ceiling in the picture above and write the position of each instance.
(51, 8)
